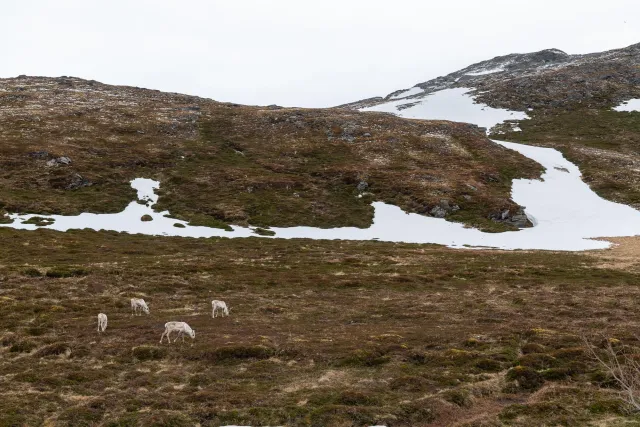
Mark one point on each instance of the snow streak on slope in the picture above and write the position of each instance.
(449, 104)
(631, 105)
(564, 210)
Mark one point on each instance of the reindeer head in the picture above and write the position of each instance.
(192, 334)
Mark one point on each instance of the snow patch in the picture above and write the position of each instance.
(630, 105)
(450, 104)
(564, 209)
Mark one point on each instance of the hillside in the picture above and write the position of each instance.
(568, 99)
(70, 145)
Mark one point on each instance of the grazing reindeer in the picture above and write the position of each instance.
(102, 322)
(215, 304)
(139, 304)
(180, 327)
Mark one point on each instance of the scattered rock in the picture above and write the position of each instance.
(438, 212)
(518, 219)
(274, 107)
(58, 161)
(77, 181)
(366, 135)
(362, 186)
(146, 218)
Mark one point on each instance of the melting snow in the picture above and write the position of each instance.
(450, 104)
(409, 92)
(630, 105)
(566, 213)
(565, 210)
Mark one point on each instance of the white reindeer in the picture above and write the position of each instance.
(138, 304)
(180, 327)
(102, 322)
(215, 304)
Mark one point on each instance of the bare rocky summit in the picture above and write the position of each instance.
(548, 79)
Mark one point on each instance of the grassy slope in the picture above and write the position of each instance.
(321, 333)
(225, 163)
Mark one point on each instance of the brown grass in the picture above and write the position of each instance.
(320, 333)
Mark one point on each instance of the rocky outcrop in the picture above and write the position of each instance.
(517, 218)
(442, 209)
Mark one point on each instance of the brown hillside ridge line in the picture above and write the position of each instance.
(69, 145)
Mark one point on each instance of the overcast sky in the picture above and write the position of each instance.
(294, 52)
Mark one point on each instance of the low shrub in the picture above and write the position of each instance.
(146, 218)
(148, 352)
(489, 365)
(532, 347)
(24, 346)
(365, 358)
(537, 361)
(54, 349)
(264, 231)
(525, 378)
(32, 272)
(458, 397)
(8, 339)
(409, 383)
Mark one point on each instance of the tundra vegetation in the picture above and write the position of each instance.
(69, 145)
(323, 333)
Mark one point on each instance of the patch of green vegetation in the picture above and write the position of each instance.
(525, 378)
(23, 346)
(207, 221)
(32, 272)
(39, 221)
(264, 231)
(148, 352)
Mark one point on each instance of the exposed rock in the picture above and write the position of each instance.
(518, 219)
(59, 161)
(438, 212)
(77, 181)
(362, 186)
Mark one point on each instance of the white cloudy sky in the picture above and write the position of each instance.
(293, 52)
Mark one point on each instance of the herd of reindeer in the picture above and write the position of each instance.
(139, 306)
